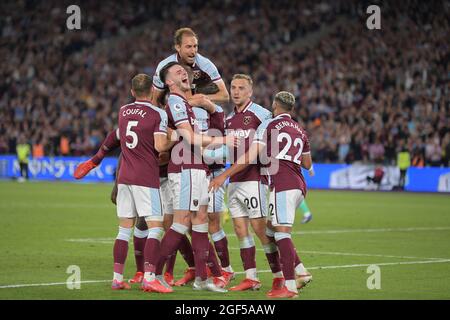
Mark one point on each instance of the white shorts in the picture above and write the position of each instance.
(189, 189)
(166, 195)
(216, 199)
(137, 201)
(247, 199)
(283, 205)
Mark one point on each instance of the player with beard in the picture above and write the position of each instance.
(204, 71)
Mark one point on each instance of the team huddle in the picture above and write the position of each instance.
(174, 140)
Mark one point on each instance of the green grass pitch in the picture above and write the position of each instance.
(46, 227)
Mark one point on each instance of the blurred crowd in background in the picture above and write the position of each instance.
(363, 95)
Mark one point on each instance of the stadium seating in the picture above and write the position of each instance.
(362, 93)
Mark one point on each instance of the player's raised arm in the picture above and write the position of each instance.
(158, 87)
(110, 143)
(155, 96)
(222, 96)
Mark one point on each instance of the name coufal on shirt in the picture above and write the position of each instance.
(137, 111)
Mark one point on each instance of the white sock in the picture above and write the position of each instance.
(278, 274)
(300, 269)
(251, 274)
(149, 276)
(141, 234)
(291, 285)
(124, 234)
(228, 269)
(118, 277)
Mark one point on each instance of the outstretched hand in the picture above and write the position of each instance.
(216, 183)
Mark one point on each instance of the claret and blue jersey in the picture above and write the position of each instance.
(203, 69)
(243, 124)
(285, 142)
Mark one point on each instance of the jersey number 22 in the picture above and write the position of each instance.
(283, 154)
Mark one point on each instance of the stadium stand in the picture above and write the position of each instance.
(363, 94)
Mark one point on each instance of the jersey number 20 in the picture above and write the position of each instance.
(283, 154)
(132, 134)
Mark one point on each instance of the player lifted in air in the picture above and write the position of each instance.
(188, 177)
(142, 131)
(286, 145)
(204, 71)
(247, 191)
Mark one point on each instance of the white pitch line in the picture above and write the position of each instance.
(111, 240)
(93, 240)
(337, 231)
(54, 205)
(49, 284)
(366, 265)
(242, 272)
(353, 254)
(372, 230)
(380, 230)
(380, 264)
(366, 255)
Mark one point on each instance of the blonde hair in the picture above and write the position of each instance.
(286, 99)
(243, 76)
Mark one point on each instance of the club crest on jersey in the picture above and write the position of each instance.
(177, 107)
(247, 120)
(195, 202)
(196, 74)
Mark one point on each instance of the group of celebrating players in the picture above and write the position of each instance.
(174, 141)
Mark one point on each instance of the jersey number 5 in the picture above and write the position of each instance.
(283, 154)
(132, 134)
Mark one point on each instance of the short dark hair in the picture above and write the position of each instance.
(141, 84)
(163, 72)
